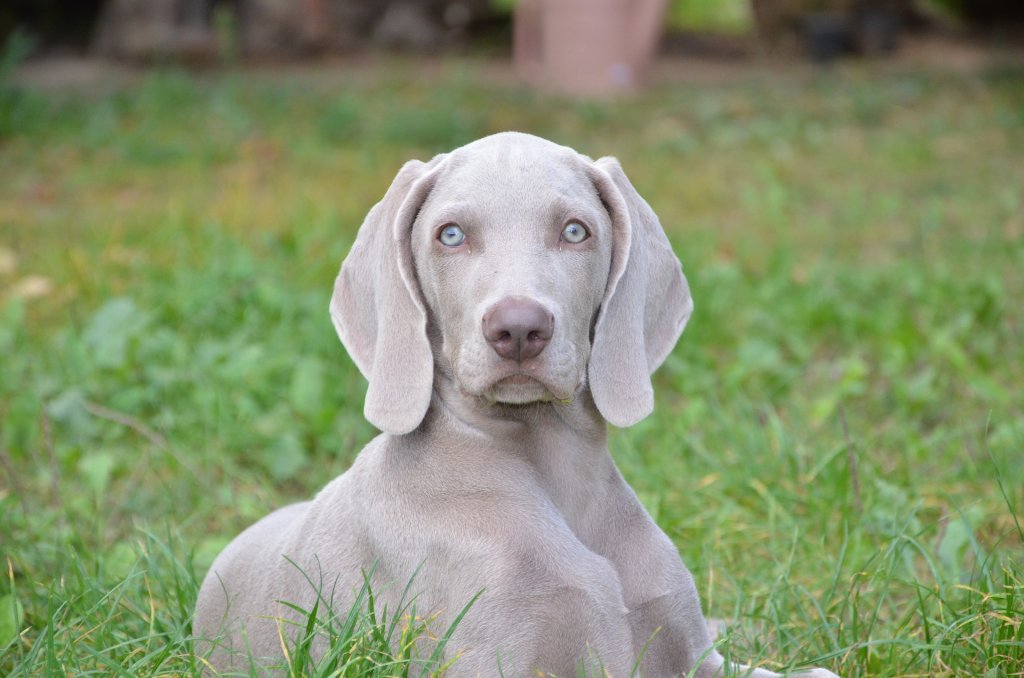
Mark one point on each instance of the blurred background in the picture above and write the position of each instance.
(838, 440)
(203, 30)
(557, 43)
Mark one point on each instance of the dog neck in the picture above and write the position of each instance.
(562, 447)
(558, 449)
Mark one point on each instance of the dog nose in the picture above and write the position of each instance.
(517, 328)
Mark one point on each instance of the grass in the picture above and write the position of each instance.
(837, 443)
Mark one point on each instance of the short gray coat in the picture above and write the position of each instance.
(492, 474)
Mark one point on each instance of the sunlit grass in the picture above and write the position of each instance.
(838, 440)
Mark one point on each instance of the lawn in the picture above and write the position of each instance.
(838, 443)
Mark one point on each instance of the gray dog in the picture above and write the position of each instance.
(505, 301)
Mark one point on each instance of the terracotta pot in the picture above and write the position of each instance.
(589, 47)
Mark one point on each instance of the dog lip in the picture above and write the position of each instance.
(522, 378)
(519, 373)
(516, 375)
(516, 378)
(503, 374)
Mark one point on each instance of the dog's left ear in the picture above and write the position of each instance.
(378, 310)
(646, 302)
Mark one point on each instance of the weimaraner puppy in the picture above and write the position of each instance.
(505, 301)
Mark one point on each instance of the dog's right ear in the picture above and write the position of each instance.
(378, 310)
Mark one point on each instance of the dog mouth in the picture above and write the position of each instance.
(520, 374)
(522, 387)
(517, 380)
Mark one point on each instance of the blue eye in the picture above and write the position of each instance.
(575, 232)
(451, 236)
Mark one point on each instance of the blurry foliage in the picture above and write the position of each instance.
(728, 16)
(14, 103)
(731, 16)
(17, 46)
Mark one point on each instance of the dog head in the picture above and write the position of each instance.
(521, 269)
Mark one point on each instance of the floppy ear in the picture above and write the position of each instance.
(378, 310)
(646, 303)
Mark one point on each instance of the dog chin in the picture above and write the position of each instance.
(519, 389)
